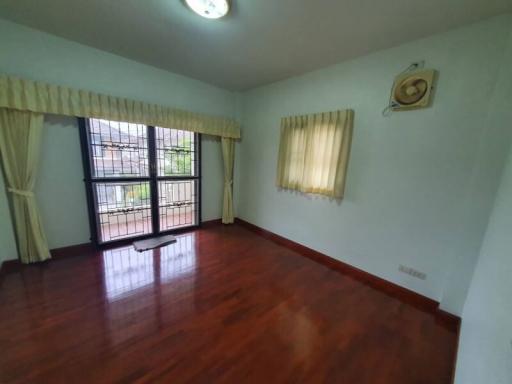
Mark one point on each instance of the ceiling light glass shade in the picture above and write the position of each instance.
(211, 9)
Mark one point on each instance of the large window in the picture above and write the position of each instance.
(140, 180)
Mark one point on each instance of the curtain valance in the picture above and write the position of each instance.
(34, 96)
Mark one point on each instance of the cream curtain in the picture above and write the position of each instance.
(27, 95)
(228, 155)
(23, 103)
(20, 141)
(314, 152)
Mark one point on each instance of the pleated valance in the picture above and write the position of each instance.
(34, 96)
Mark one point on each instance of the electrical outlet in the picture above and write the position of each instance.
(412, 272)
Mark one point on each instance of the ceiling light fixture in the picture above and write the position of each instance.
(211, 9)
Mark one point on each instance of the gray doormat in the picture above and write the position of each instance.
(154, 242)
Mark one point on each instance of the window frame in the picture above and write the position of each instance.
(153, 179)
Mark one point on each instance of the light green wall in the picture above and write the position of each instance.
(420, 184)
(485, 349)
(40, 56)
(491, 156)
(7, 244)
(60, 189)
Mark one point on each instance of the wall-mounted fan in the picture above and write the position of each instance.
(412, 90)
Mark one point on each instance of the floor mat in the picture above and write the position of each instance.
(154, 242)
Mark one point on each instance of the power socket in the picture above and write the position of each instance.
(412, 272)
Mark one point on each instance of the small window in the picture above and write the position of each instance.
(314, 152)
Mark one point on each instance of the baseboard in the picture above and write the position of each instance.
(10, 266)
(392, 289)
(72, 250)
(211, 223)
(79, 249)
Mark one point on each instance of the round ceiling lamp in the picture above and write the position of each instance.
(211, 9)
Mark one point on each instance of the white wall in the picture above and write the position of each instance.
(491, 156)
(40, 56)
(485, 349)
(420, 184)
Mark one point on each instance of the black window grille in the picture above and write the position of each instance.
(140, 180)
(176, 155)
(177, 203)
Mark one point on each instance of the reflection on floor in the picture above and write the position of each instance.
(116, 228)
(178, 259)
(222, 305)
(126, 270)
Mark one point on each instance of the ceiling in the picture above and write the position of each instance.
(259, 42)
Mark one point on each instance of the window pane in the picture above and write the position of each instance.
(118, 149)
(177, 203)
(175, 152)
(123, 209)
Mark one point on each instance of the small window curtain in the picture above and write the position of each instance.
(228, 155)
(20, 142)
(314, 151)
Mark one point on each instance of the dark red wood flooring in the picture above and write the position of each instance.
(222, 305)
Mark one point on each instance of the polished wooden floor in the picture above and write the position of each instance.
(222, 305)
